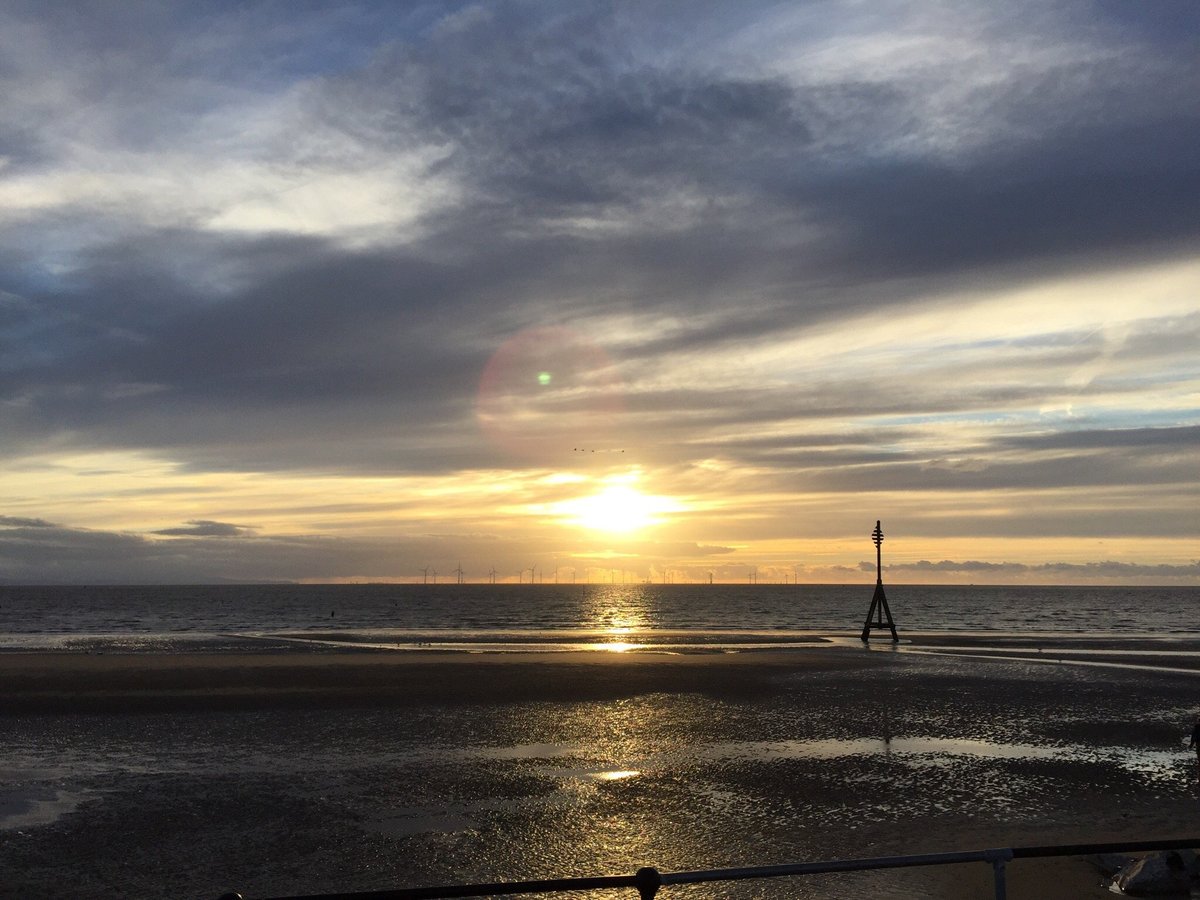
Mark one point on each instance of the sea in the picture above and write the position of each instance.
(550, 617)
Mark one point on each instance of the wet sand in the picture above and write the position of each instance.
(93, 683)
(297, 772)
(1178, 652)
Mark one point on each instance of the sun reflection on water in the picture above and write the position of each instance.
(616, 775)
(614, 646)
(607, 796)
(617, 612)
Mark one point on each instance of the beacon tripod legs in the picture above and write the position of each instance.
(879, 615)
(879, 611)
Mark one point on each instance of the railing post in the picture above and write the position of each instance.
(648, 882)
(998, 859)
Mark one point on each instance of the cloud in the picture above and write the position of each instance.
(1181, 439)
(19, 522)
(206, 528)
(1106, 569)
(60, 555)
(832, 249)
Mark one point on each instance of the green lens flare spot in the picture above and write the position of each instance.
(543, 378)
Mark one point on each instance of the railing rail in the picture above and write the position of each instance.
(647, 881)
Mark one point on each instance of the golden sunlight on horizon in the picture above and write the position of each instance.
(605, 528)
(617, 509)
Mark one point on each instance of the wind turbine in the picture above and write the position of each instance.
(459, 572)
(492, 575)
(425, 575)
(435, 576)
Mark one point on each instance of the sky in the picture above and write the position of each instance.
(300, 291)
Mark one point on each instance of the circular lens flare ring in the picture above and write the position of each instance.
(546, 390)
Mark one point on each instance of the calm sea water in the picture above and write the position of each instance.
(570, 615)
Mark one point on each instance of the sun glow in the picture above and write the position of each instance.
(614, 646)
(618, 508)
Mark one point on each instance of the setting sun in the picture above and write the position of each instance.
(617, 509)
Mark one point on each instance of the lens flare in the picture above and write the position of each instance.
(546, 390)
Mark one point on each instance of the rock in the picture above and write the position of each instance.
(1168, 872)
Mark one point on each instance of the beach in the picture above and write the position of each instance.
(299, 770)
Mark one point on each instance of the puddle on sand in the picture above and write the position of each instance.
(589, 774)
(908, 746)
(613, 774)
(557, 751)
(31, 807)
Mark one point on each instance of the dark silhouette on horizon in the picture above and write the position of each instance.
(879, 606)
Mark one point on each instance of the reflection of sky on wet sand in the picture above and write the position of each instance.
(917, 750)
(932, 751)
(613, 774)
(32, 806)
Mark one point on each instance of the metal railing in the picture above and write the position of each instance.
(647, 881)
